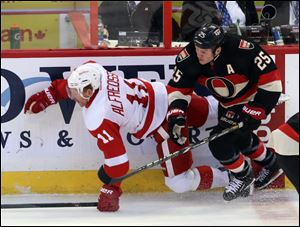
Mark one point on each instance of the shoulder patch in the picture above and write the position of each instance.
(246, 45)
(183, 55)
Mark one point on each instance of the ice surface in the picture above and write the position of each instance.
(267, 207)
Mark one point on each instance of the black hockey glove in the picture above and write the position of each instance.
(251, 116)
(177, 123)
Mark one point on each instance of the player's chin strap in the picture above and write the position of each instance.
(173, 155)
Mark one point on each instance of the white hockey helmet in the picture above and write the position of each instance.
(84, 75)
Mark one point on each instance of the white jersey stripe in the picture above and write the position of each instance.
(169, 165)
(162, 132)
(116, 160)
(274, 86)
(283, 144)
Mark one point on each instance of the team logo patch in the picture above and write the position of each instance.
(230, 114)
(182, 55)
(246, 45)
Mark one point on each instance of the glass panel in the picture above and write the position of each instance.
(40, 24)
(130, 23)
(49, 24)
(264, 22)
(177, 39)
(176, 17)
(281, 20)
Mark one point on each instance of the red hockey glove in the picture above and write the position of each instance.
(177, 123)
(108, 200)
(51, 95)
(251, 116)
(40, 101)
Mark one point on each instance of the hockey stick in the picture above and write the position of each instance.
(47, 205)
(175, 154)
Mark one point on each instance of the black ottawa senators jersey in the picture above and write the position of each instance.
(242, 72)
(294, 122)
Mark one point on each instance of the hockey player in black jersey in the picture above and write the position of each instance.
(247, 84)
(285, 141)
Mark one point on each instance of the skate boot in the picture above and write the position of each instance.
(267, 175)
(239, 187)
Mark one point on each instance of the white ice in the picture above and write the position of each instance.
(271, 207)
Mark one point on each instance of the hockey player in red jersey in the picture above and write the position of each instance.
(110, 103)
(246, 82)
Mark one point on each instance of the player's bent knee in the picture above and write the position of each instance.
(183, 182)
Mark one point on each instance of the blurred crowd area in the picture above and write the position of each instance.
(51, 24)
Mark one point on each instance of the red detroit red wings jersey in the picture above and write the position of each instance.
(136, 106)
(242, 72)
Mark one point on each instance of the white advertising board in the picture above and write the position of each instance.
(292, 84)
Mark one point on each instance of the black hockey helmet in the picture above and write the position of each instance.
(209, 36)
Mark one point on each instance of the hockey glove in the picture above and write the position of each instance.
(40, 101)
(251, 116)
(177, 123)
(108, 200)
(55, 92)
(229, 118)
